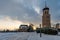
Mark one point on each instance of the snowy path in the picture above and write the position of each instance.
(27, 36)
(13, 36)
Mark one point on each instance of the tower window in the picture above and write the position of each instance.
(46, 11)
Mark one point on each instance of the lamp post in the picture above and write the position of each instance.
(40, 31)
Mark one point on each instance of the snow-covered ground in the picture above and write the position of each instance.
(27, 36)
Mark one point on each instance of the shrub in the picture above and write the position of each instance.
(47, 31)
(59, 30)
(51, 31)
(38, 30)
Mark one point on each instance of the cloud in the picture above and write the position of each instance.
(23, 10)
(37, 9)
(8, 23)
(28, 11)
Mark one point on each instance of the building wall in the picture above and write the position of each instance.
(46, 19)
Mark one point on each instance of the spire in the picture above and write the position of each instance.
(45, 4)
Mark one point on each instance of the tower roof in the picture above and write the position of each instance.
(46, 8)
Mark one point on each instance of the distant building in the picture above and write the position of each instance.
(23, 28)
(46, 17)
(57, 25)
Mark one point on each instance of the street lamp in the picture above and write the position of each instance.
(40, 31)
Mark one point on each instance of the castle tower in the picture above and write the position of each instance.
(46, 17)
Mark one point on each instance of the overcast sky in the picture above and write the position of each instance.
(28, 11)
